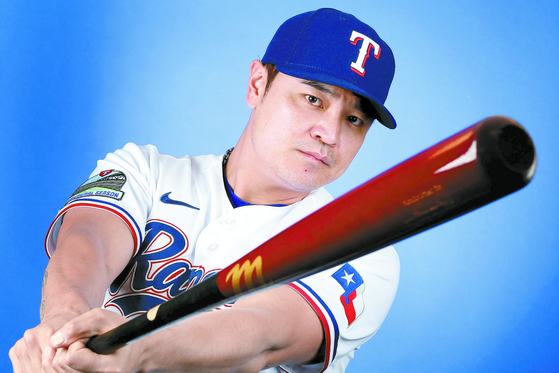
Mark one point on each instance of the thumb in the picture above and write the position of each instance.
(83, 326)
(58, 340)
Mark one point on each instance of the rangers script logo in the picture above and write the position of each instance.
(157, 272)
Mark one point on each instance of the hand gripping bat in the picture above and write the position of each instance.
(478, 165)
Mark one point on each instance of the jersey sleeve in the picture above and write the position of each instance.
(351, 300)
(121, 184)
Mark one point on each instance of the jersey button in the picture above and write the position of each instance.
(213, 247)
(229, 221)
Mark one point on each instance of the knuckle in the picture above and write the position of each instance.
(70, 327)
(98, 316)
(29, 337)
(49, 329)
(12, 353)
(16, 347)
(98, 313)
(19, 349)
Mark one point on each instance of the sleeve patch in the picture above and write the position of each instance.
(106, 184)
(354, 286)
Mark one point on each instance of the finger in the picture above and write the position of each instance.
(76, 358)
(84, 326)
(26, 355)
(15, 361)
(34, 349)
(48, 356)
(59, 362)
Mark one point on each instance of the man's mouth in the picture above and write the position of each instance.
(317, 157)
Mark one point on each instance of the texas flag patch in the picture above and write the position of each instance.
(352, 297)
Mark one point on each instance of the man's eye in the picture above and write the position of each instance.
(355, 120)
(314, 100)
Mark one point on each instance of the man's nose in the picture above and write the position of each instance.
(328, 129)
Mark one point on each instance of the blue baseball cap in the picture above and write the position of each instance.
(335, 48)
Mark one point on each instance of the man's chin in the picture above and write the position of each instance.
(306, 181)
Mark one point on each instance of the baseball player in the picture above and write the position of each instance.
(147, 226)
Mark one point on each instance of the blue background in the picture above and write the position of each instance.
(79, 79)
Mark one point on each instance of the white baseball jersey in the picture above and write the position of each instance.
(186, 229)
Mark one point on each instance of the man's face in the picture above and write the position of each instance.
(306, 133)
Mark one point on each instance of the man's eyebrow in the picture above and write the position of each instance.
(321, 87)
(363, 104)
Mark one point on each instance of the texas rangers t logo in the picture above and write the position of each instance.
(354, 286)
(368, 43)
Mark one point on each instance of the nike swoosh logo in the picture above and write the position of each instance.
(165, 199)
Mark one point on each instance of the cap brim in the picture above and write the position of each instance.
(385, 117)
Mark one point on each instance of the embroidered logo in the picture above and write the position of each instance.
(354, 286)
(368, 43)
(165, 199)
(157, 273)
(107, 183)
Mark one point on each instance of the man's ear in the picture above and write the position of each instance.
(256, 83)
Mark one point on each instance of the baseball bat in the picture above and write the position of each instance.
(478, 165)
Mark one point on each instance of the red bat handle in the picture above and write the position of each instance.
(485, 162)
